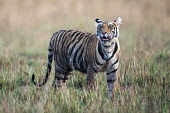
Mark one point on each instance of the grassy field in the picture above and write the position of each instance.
(143, 83)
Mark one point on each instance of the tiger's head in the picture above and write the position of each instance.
(108, 30)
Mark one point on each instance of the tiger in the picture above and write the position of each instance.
(85, 52)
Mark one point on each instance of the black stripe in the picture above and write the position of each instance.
(115, 62)
(106, 46)
(62, 50)
(55, 42)
(115, 50)
(58, 78)
(59, 59)
(58, 39)
(61, 71)
(108, 52)
(71, 42)
(69, 31)
(49, 49)
(111, 81)
(60, 64)
(80, 57)
(74, 33)
(50, 59)
(75, 55)
(49, 67)
(86, 58)
(70, 52)
(94, 69)
(61, 37)
(100, 50)
(83, 67)
(112, 72)
(64, 44)
(56, 33)
(116, 32)
(105, 55)
(83, 63)
(50, 55)
(98, 63)
(64, 79)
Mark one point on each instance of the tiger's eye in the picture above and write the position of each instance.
(99, 26)
(110, 26)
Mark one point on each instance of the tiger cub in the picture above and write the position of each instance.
(85, 52)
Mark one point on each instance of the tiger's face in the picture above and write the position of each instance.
(108, 30)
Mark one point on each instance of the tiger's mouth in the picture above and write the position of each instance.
(105, 38)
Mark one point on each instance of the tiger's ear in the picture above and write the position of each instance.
(118, 21)
(98, 21)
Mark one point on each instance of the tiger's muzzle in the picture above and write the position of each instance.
(105, 37)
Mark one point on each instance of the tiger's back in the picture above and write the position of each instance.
(72, 50)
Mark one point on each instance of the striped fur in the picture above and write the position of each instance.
(85, 52)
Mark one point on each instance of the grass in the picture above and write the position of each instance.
(143, 83)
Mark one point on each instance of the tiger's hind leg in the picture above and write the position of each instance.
(65, 79)
(60, 80)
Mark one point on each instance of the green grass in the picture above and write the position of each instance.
(143, 83)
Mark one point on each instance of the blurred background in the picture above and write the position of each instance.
(30, 13)
(25, 23)
(146, 23)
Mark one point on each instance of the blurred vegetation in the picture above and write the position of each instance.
(144, 76)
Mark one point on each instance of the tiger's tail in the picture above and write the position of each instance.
(50, 58)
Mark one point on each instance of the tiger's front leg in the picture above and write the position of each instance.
(111, 78)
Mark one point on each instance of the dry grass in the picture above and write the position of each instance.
(144, 75)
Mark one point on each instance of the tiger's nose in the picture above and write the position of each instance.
(103, 32)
